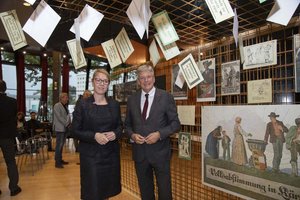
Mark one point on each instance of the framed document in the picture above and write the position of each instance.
(220, 10)
(260, 55)
(164, 28)
(186, 115)
(124, 45)
(13, 29)
(76, 53)
(111, 53)
(190, 71)
(184, 146)
(206, 90)
(297, 61)
(230, 83)
(259, 91)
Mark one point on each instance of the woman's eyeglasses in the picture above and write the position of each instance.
(101, 81)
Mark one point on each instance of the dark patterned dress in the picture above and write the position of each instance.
(99, 164)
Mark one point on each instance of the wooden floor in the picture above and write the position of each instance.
(50, 183)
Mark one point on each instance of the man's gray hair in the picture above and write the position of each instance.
(145, 68)
(62, 95)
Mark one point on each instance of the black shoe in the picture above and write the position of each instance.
(59, 166)
(0, 192)
(64, 162)
(15, 192)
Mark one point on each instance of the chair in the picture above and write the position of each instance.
(31, 148)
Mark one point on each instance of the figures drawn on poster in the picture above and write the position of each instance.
(184, 146)
(268, 158)
(212, 142)
(260, 55)
(239, 155)
(206, 90)
(293, 145)
(226, 146)
(230, 83)
(275, 131)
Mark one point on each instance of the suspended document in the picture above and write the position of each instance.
(42, 23)
(165, 28)
(190, 71)
(220, 10)
(76, 53)
(124, 45)
(111, 53)
(140, 14)
(89, 19)
(169, 51)
(283, 11)
(154, 54)
(13, 29)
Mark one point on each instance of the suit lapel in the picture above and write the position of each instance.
(155, 103)
(138, 100)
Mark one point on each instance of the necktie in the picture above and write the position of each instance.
(145, 108)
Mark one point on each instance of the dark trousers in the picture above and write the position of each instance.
(144, 171)
(60, 141)
(9, 152)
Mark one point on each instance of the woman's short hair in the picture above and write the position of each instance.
(101, 71)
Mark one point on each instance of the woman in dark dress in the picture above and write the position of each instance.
(97, 124)
(212, 144)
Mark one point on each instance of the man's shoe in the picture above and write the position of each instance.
(15, 192)
(59, 166)
(64, 162)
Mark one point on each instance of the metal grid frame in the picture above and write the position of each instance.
(191, 18)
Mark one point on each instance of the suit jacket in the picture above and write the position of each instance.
(61, 119)
(86, 123)
(8, 117)
(162, 117)
(271, 132)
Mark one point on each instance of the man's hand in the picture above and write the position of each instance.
(152, 138)
(101, 138)
(137, 138)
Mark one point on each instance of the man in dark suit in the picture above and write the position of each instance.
(8, 132)
(151, 118)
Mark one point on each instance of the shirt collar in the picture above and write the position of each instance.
(151, 92)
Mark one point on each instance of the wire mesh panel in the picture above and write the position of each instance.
(186, 174)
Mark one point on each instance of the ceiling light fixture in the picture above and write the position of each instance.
(26, 4)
